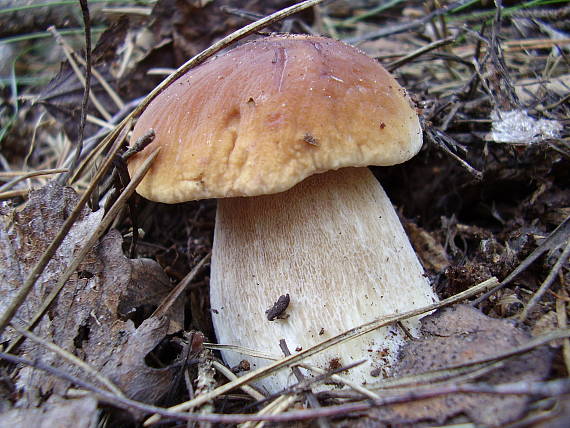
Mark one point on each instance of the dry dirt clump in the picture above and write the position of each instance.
(111, 324)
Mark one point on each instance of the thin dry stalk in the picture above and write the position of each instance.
(549, 389)
(253, 393)
(277, 406)
(13, 194)
(561, 307)
(69, 55)
(418, 52)
(21, 176)
(167, 302)
(547, 283)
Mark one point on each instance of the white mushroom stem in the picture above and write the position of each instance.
(333, 243)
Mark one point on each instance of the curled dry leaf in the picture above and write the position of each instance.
(98, 314)
(459, 335)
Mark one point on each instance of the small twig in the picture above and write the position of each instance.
(92, 148)
(26, 175)
(547, 283)
(143, 141)
(240, 13)
(442, 140)
(424, 49)
(87, 89)
(311, 398)
(550, 388)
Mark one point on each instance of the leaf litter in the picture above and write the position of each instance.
(94, 317)
(460, 335)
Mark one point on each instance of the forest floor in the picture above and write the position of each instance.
(104, 296)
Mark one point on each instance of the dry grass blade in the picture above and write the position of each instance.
(28, 284)
(424, 49)
(279, 405)
(550, 388)
(69, 55)
(90, 242)
(365, 392)
(353, 333)
(558, 237)
(21, 176)
(547, 283)
(13, 194)
(241, 350)
(231, 376)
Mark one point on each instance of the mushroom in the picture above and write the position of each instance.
(259, 127)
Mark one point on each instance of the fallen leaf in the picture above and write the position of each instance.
(98, 316)
(459, 335)
(77, 413)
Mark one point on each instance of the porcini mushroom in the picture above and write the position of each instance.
(259, 127)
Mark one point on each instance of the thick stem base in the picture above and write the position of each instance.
(333, 243)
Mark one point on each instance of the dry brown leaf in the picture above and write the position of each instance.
(78, 413)
(97, 315)
(430, 251)
(458, 335)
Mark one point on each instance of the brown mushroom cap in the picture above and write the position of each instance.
(270, 113)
